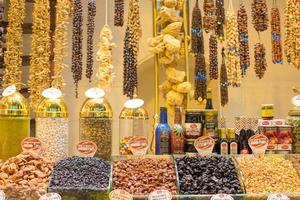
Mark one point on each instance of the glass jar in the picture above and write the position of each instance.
(14, 124)
(210, 123)
(267, 111)
(96, 125)
(52, 128)
(294, 121)
(133, 123)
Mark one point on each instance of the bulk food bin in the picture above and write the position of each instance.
(14, 123)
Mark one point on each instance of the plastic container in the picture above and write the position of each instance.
(52, 128)
(14, 124)
(96, 125)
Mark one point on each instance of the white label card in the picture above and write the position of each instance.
(50, 196)
(278, 197)
(160, 195)
(221, 197)
(2, 195)
(120, 195)
(86, 148)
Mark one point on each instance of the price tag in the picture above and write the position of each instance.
(221, 197)
(9, 90)
(86, 148)
(258, 143)
(204, 145)
(160, 195)
(33, 145)
(278, 197)
(94, 93)
(2, 195)
(120, 195)
(50, 196)
(52, 93)
(138, 146)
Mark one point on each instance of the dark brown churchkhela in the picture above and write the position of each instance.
(197, 31)
(119, 13)
(200, 77)
(260, 60)
(210, 18)
(276, 36)
(223, 81)
(260, 15)
(220, 13)
(2, 43)
(90, 38)
(213, 57)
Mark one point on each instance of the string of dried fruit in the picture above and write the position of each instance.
(12, 56)
(197, 31)
(63, 13)
(260, 15)
(131, 48)
(200, 78)
(220, 13)
(292, 32)
(2, 43)
(39, 72)
(213, 57)
(210, 18)
(90, 39)
(232, 58)
(77, 44)
(276, 36)
(119, 13)
(260, 65)
(224, 81)
(243, 38)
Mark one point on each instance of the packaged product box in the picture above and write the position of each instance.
(284, 136)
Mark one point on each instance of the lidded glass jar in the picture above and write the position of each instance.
(52, 127)
(294, 120)
(96, 125)
(14, 123)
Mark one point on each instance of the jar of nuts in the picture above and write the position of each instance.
(52, 127)
(96, 125)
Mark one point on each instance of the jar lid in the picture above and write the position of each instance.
(96, 108)
(52, 108)
(134, 113)
(210, 112)
(267, 105)
(15, 105)
(294, 112)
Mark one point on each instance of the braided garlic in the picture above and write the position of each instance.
(39, 73)
(14, 38)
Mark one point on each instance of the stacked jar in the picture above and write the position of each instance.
(52, 127)
(96, 125)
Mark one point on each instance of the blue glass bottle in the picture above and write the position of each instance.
(162, 134)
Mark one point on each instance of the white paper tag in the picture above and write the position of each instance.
(52, 93)
(221, 197)
(138, 146)
(86, 148)
(9, 90)
(94, 93)
(160, 195)
(50, 196)
(33, 145)
(120, 195)
(258, 143)
(2, 195)
(278, 197)
(204, 145)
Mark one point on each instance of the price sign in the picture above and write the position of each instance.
(2, 195)
(86, 148)
(138, 146)
(50, 196)
(9, 90)
(221, 197)
(120, 195)
(160, 195)
(32, 145)
(278, 197)
(258, 143)
(204, 145)
(52, 93)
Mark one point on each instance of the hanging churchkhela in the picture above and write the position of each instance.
(213, 57)
(119, 13)
(200, 78)
(223, 81)
(197, 31)
(209, 18)
(276, 36)
(220, 13)
(2, 43)
(242, 19)
(260, 60)
(90, 39)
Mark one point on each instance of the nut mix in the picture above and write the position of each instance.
(141, 176)
(25, 176)
(260, 18)
(207, 175)
(260, 65)
(276, 36)
(269, 175)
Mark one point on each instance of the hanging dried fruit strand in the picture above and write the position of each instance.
(260, 60)
(197, 31)
(276, 37)
(14, 42)
(2, 43)
(223, 81)
(119, 13)
(213, 57)
(242, 19)
(77, 44)
(220, 13)
(131, 49)
(90, 39)
(260, 18)
(39, 72)
(210, 18)
(200, 78)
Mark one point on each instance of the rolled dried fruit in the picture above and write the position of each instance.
(260, 18)
(260, 64)
(197, 31)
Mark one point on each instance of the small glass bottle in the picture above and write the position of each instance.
(233, 142)
(223, 142)
(162, 134)
(209, 104)
(177, 135)
(243, 143)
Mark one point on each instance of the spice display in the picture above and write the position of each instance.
(197, 31)
(25, 176)
(105, 72)
(242, 19)
(213, 57)
(200, 78)
(63, 13)
(292, 32)
(276, 36)
(141, 176)
(260, 18)
(220, 13)
(232, 58)
(39, 71)
(77, 44)
(224, 81)
(14, 42)
(119, 13)
(90, 39)
(209, 18)
(133, 34)
(207, 175)
(257, 177)
(260, 64)
(193, 129)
